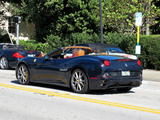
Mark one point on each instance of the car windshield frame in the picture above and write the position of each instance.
(114, 50)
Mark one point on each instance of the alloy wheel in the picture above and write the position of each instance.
(79, 81)
(3, 63)
(23, 74)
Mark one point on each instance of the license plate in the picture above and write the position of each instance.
(125, 73)
(30, 55)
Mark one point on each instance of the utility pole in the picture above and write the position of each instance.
(17, 33)
(101, 24)
(147, 21)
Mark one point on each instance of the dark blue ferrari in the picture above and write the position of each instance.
(82, 68)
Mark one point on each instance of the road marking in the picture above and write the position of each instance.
(91, 100)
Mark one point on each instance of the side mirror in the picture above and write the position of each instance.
(46, 57)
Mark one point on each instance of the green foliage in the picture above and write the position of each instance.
(53, 41)
(33, 45)
(78, 38)
(125, 41)
(65, 17)
(60, 17)
(119, 14)
(71, 39)
(151, 51)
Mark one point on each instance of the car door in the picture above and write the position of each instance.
(50, 70)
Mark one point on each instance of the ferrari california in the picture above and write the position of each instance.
(82, 69)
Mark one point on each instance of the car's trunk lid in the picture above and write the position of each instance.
(119, 63)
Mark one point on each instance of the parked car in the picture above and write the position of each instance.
(81, 69)
(10, 54)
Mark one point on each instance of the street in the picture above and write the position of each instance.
(48, 102)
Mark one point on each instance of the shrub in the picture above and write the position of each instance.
(33, 45)
(151, 51)
(124, 41)
(53, 41)
(79, 38)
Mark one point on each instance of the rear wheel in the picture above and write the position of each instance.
(123, 90)
(4, 63)
(22, 74)
(79, 81)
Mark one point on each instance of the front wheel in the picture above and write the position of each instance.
(4, 63)
(79, 81)
(123, 90)
(22, 74)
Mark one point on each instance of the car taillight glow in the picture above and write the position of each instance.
(17, 55)
(107, 63)
(139, 62)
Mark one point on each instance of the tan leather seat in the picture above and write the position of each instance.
(79, 52)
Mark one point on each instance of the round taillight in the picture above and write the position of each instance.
(139, 62)
(107, 63)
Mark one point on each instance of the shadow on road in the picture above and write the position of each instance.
(45, 86)
(108, 91)
(93, 92)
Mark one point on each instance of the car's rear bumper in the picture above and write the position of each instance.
(115, 82)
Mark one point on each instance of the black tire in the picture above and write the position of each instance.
(124, 90)
(79, 81)
(22, 74)
(4, 63)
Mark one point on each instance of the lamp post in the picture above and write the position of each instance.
(101, 24)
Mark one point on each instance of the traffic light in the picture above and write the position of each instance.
(12, 23)
(12, 26)
(17, 19)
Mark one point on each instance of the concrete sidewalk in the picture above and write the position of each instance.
(151, 75)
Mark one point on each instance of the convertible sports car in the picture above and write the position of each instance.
(10, 54)
(82, 69)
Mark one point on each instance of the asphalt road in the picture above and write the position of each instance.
(46, 102)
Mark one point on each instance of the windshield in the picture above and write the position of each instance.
(114, 50)
(11, 47)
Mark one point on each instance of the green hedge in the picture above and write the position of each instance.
(33, 45)
(150, 56)
(151, 52)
